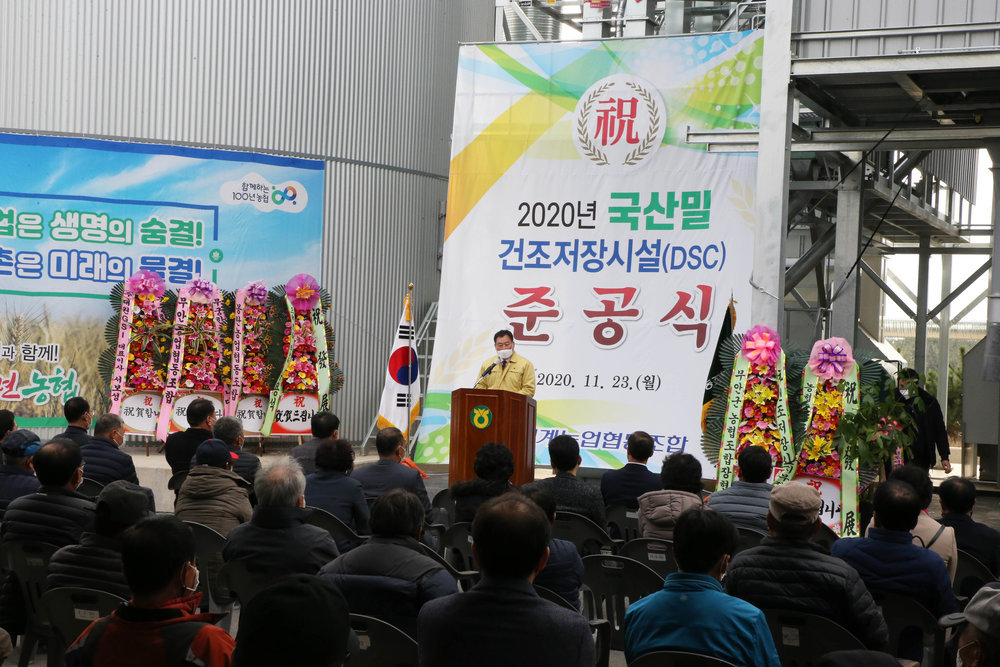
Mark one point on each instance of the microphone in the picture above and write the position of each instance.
(485, 373)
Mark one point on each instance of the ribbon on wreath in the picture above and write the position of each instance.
(122, 351)
(174, 365)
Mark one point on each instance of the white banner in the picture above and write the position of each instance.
(579, 218)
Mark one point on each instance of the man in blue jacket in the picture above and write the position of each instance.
(16, 476)
(103, 462)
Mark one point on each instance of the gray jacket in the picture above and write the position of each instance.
(745, 503)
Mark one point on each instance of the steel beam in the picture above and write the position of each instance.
(768, 276)
(844, 301)
(810, 258)
(969, 308)
(944, 336)
(966, 284)
(911, 63)
(888, 291)
(853, 139)
(991, 358)
(920, 321)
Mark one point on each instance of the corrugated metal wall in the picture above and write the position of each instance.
(367, 86)
(958, 168)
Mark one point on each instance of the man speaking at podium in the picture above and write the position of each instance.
(508, 370)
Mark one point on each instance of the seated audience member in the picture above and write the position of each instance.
(330, 488)
(56, 513)
(389, 577)
(214, 496)
(325, 427)
(96, 562)
(501, 621)
(626, 484)
(928, 533)
(78, 418)
(978, 644)
(958, 498)
(277, 538)
(789, 572)
(746, 501)
(563, 572)
(299, 620)
(103, 462)
(160, 626)
(7, 423)
(179, 447)
(388, 473)
(692, 613)
(658, 510)
(571, 493)
(493, 466)
(230, 431)
(16, 476)
(887, 560)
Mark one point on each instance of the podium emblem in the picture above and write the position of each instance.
(482, 417)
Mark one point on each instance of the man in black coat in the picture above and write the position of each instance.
(325, 427)
(571, 493)
(78, 418)
(103, 462)
(389, 473)
(626, 484)
(958, 498)
(788, 572)
(931, 432)
(16, 476)
(230, 431)
(180, 447)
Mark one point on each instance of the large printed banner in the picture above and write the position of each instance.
(579, 218)
(79, 215)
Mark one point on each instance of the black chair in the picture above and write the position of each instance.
(208, 547)
(244, 580)
(970, 575)
(89, 487)
(465, 579)
(610, 585)
(69, 610)
(339, 531)
(443, 507)
(457, 546)
(678, 659)
(589, 538)
(381, 644)
(601, 631)
(749, 538)
(913, 629)
(623, 521)
(825, 537)
(802, 639)
(654, 553)
(176, 481)
(552, 596)
(29, 561)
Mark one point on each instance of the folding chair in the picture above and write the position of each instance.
(208, 547)
(29, 561)
(678, 659)
(466, 579)
(610, 585)
(802, 639)
(457, 546)
(588, 537)
(339, 531)
(623, 521)
(443, 506)
(654, 553)
(69, 610)
(89, 487)
(381, 644)
(914, 632)
(970, 575)
(552, 596)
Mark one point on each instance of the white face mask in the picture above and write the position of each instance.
(197, 580)
(505, 354)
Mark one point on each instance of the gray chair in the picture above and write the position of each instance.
(914, 632)
(29, 562)
(443, 507)
(749, 538)
(244, 580)
(802, 639)
(552, 596)
(176, 481)
(465, 579)
(589, 538)
(623, 521)
(381, 644)
(457, 546)
(89, 487)
(678, 659)
(69, 610)
(654, 553)
(610, 584)
(339, 531)
(208, 546)
(970, 575)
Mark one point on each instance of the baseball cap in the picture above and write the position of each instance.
(794, 502)
(983, 610)
(212, 452)
(122, 503)
(21, 443)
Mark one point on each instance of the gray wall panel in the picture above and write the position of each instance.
(347, 82)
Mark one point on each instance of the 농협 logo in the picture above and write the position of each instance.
(619, 121)
(482, 417)
(290, 196)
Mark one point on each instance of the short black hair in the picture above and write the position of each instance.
(908, 374)
(640, 445)
(107, 423)
(919, 479)
(681, 472)
(397, 513)
(957, 494)
(755, 464)
(500, 334)
(198, 411)
(335, 455)
(6, 423)
(154, 551)
(897, 506)
(388, 440)
(564, 452)
(543, 499)
(510, 534)
(57, 461)
(701, 538)
(323, 424)
(75, 408)
(494, 462)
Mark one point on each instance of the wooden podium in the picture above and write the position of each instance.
(479, 416)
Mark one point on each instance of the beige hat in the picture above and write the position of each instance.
(793, 501)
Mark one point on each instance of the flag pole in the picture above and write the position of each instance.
(409, 366)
